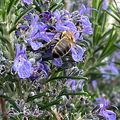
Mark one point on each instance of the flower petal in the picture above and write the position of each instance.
(85, 21)
(88, 30)
(28, 1)
(34, 44)
(72, 84)
(108, 114)
(104, 4)
(77, 53)
(82, 9)
(24, 70)
(57, 62)
(102, 101)
(57, 15)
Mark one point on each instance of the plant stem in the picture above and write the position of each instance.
(4, 113)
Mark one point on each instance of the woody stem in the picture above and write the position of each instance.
(2, 104)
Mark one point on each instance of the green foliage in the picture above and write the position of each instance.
(99, 47)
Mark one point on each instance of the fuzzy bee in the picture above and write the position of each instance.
(64, 44)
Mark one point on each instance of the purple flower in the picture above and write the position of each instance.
(32, 34)
(109, 69)
(45, 17)
(77, 53)
(39, 71)
(62, 16)
(71, 84)
(87, 26)
(28, 18)
(85, 10)
(94, 84)
(103, 105)
(20, 31)
(36, 32)
(75, 85)
(67, 25)
(57, 62)
(102, 102)
(82, 10)
(21, 64)
(104, 4)
(28, 2)
(57, 15)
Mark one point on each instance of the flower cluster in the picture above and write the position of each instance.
(103, 105)
(40, 30)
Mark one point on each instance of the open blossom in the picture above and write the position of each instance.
(85, 10)
(21, 64)
(45, 17)
(82, 10)
(72, 84)
(103, 105)
(36, 32)
(62, 16)
(87, 26)
(77, 53)
(109, 69)
(39, 71)
(75, 84)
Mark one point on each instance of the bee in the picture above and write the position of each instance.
(64, 44)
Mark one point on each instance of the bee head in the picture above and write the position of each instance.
(68, 34)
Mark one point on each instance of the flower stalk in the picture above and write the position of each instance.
(3, 109)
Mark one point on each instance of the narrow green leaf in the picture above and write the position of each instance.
(20, 17)
(12, 29)
(1, 30)
(116, 25)
(110, 47)
(37, 6)
(10, 5)
(116, 18)
(24, 13)
(49, 104)
(8, 45)
(104, 35)
(31, 98)
(116, 5)
(114, 10)
(56, 5)
(75, 93)
(52, 5)
(3, 39)
(68, 77)
(108, 43)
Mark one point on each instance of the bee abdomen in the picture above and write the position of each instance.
(61, 48)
